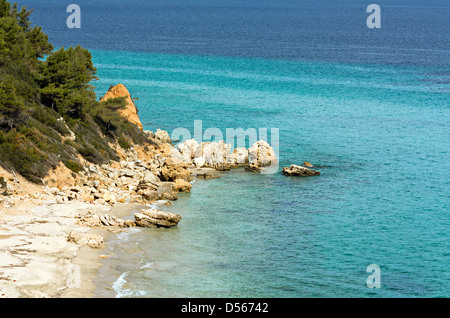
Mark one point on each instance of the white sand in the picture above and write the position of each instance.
(36, 260)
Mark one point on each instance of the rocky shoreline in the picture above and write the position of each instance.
(44, 228)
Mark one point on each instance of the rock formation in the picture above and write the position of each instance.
(89, 239)
(218, 155)
(261, 154)
(163, 136)
(154, 218)
(181, 185)
(101, 221)
(130, 111)
(295, 170)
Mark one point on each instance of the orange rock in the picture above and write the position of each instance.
(130, 111)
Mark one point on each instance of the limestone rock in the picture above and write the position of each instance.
(181, 185)
(261, 154)
(199, 162)
(295, 170)
(89, 219)
(92, 220)
(171, 171)
(154, 218)
(91, 240)
(188, 150)
(214, 153)
(241, 155)
(163, 136)
(148, 186)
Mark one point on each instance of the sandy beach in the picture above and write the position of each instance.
(36, 258)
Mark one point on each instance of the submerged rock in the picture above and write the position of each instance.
(154, 218)
(308, 164)
(295, 170)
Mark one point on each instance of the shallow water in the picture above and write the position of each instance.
(378, 136)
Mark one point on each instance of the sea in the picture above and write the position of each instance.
(368, 107)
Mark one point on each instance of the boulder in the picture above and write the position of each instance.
(261, 154)
(188, 150)
(199, 162)
(91, 240)
(295, 170)
(214, 153)
(154, 218)
(148, 186)
(127, 173)
(171, 196)
(241, 155)
(172, 171)
(181, 185)
(163, 136)
(111, 220)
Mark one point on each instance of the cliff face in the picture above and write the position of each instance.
(130, 111)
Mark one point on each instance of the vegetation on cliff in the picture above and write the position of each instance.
(49, 111)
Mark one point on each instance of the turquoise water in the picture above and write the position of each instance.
(379, 136)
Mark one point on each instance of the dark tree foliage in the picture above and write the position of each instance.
(46, 94)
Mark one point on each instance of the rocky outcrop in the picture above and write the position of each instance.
(218, 155)
(181, 185)
(89, 239)
(153, 218)
(130, 111)
(99, 221)
(162, 136)
(295, 170)
(172, 171)
(261, 154)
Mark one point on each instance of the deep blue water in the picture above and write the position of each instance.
(413, 32)
(369, 107)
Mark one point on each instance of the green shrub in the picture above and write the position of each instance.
(73, 165)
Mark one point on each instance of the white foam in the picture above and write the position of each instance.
(157, 203)
(148, 265)
(124, 236)
(118, 287)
